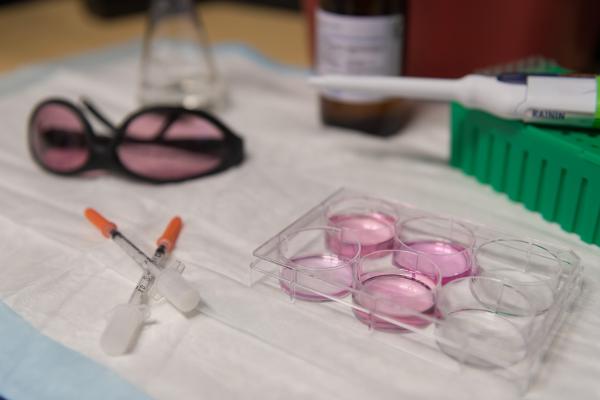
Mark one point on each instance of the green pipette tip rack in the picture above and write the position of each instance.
(555, 172)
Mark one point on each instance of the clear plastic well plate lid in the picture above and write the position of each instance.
(468, 294)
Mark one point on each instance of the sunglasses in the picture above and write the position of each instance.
(155, 144)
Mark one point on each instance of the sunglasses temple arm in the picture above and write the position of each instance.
(94, 110)
(172, 118)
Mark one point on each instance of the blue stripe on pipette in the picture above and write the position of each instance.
(518, 77)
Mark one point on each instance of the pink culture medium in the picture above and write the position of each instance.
(453, 260)
(395, 296)
(374, 231)
(324, 273)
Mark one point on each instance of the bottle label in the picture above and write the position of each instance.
(358, 45)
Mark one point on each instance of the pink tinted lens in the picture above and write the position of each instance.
(58, 138)
(165, 147)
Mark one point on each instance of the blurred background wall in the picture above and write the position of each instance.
(443, 38)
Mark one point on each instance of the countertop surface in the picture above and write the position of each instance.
(38, 31)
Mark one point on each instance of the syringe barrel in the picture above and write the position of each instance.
(168, 282)
(131, 249)
(147, 279)
(143, 285)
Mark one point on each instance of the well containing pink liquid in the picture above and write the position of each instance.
(310, 270)
(392, 298)
(398, 297)
(374, 231)
(453, 259)
(314, 275)
(448, 243)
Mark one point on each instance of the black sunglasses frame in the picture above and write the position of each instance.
(103, 150)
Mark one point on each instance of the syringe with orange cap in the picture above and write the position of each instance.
(128, 318)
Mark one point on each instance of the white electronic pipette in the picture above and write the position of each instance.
(551, 99)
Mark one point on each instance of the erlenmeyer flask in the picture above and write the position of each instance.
(177, 67)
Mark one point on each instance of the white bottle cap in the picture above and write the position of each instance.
(122, 329)
(177, 291)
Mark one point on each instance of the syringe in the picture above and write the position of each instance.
(126, 319)
(168, 281)
(165, 244)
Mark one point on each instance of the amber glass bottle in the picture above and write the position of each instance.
(361, 37)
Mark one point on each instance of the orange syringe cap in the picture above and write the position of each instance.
(169, 236)
(104, 225)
